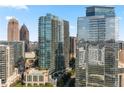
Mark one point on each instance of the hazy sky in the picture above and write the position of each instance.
(29, 16)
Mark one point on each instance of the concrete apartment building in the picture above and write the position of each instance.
(8, 74)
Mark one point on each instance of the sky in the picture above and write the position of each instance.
(30, 14)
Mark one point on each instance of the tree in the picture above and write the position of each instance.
(48, 85)
(72, 63)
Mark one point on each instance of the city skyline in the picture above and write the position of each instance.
(92, 59)
(29, 16)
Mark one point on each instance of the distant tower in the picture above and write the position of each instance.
(13, 30)
(24, 36)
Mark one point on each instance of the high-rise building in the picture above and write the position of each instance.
(13, 30)
(6, 63)
(100, 10)
(24, 36)
(100, 23)
(97, 50)
(53, 43)
(72, 52)
(18, 49)
(97, 64)
(66, 43)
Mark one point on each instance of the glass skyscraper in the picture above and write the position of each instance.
(53, 40)
(96, 63)
(100, 10)
(98, 25)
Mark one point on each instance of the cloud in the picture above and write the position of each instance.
(10, 17)
(20, 7)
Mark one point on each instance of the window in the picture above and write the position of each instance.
(29, 78)
(40, 78)
(34, 78)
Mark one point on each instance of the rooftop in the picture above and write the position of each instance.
(104, 6)
(34, 71)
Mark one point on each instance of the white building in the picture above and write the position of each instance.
(36, 77)
(8, 74)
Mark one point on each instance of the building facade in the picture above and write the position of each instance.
(18, 49)
(53, 42)
(97, 50)
(36, 77)
(7, 70)
(24, 36)
(72, 52)
(66, 43)
(13, 30)
(121, 68)
(30, 59)
(97, 25)
(97, 64)
(121, 64)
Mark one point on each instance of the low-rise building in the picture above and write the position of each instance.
(36, 77)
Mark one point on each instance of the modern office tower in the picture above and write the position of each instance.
(6, 63)
(97, 64)
(66, 43)
(97, 50)
(24, 36)
(100, 23)
(72, 52)
(53, 43)
(18, 49)
(100, 10)
(13, 30)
